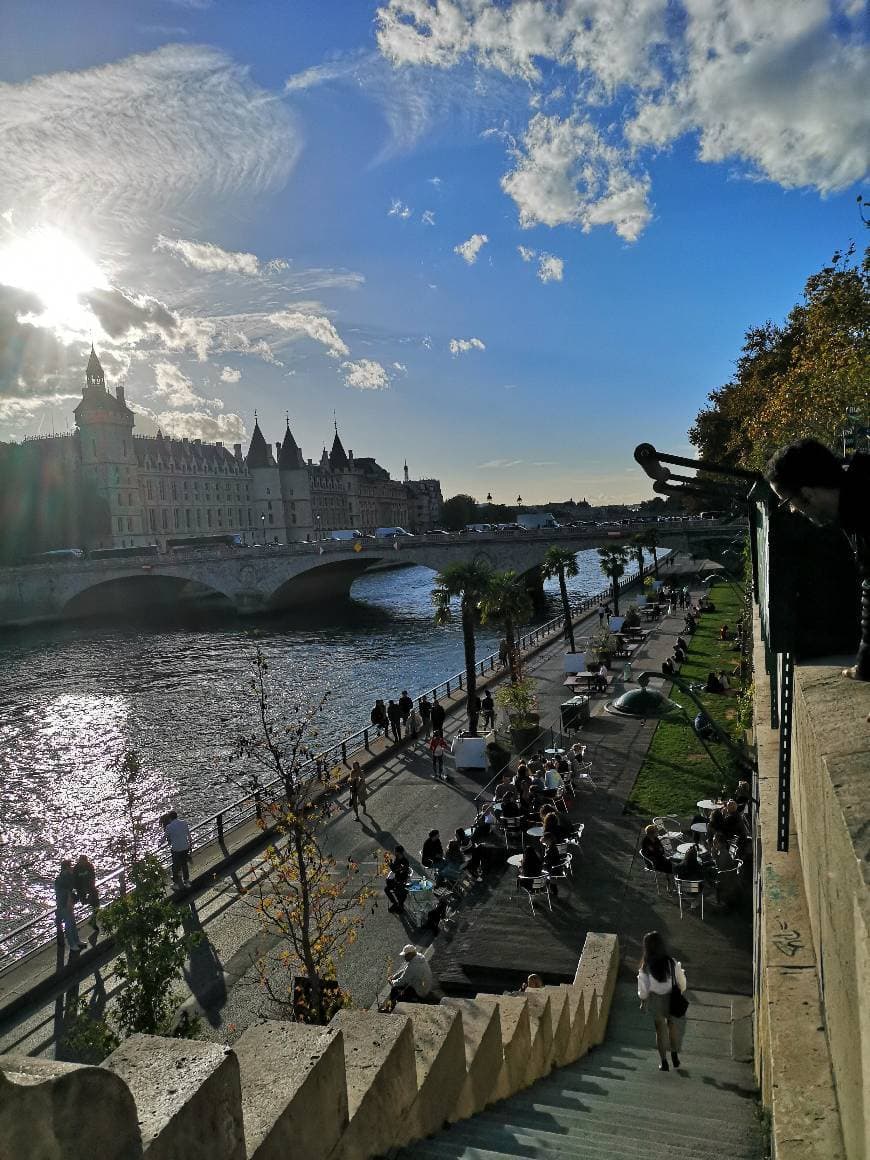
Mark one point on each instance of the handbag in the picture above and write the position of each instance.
(679, 1003)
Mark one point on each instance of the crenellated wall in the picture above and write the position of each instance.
(353, 1090)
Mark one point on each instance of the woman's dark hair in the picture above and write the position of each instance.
(691, 858)
(656, 961)
(804, 463)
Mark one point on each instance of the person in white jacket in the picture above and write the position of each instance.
(414, 981)
(659, 973)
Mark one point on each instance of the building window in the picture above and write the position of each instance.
(270, 505)
(164, 519)
(268, 491)
(208, 517)
(176, 518)
(124, 445)
(187, 517)
(148, 489)
(129, 524)
(162, 487)
(249, 518)
(174, 491)
(120, 524)
(94, 446)
(221, 516)
(152, 519)
(240, 517)
(198, 518)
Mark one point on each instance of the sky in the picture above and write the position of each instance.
(504, 241)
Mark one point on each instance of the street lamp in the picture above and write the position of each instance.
(317, 521)
(519, 500)
(489, 497)
(263, 522)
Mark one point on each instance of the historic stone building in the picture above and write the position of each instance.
(157, 489)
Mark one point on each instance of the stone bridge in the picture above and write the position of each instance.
(256, 580)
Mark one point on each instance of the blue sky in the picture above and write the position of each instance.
(506, 241)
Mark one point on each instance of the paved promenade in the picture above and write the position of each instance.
(495, 941)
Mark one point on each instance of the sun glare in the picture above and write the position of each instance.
(57, 271)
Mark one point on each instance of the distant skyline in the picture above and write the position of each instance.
(506, 242)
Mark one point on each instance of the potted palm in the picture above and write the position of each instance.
(520, 702)
(601, 650)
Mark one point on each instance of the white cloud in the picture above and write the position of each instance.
(566, 174)
(500, 463)
(316, 327)
(225, 428)
(461, 345)
(436, 181)
(173, 386)
(399, 209)
(470, 249)
(526, 254)
(428, 217)
(126, 142)
(510, 386)
(366, 375)
(211, 258)
(230, 375)
(400, 367)
(550, 268)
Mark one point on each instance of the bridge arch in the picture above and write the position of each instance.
(330, 580)
(139, 590)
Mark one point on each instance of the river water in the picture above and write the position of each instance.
(77, 696)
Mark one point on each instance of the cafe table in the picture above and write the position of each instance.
(535, 831)
(515, 860)
(700, 830)
(708, 805)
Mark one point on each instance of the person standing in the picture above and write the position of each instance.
(437, 748)
(406, 707)
(180, 845)
(394, 716)
(503, 653)
(379, 717)
(600, 615)
(488, 707)
(358, 790)
(438, 714)
(474, 706)
(64, 885)
(86, 887)
(426, 716)
(658, 977)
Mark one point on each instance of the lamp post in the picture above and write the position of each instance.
(519, 501)
(263, 524)
(317, 520)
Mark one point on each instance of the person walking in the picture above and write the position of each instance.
(437, 748)
(85, 876)
(661, 982)
(503, 653)
(64, 886)
(379, 717)
(394, 716)
(358, 790)
(180, 845)
(488, 707)
(600, 615)
(406, 708)
(438, 714)
(426, 716)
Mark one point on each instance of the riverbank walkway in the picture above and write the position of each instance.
(493, 941)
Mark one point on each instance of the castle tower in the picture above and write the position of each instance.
(295, 489)
(105, 428)
(267, 503)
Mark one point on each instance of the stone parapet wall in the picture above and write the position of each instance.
(356, 1089)
(812, 1034)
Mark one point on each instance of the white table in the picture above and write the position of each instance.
(555, 752)
(684, 848)
(700, 828)
(515, 860)
(535, 831)
(708, 805)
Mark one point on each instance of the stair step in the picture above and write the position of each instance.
(722, 1105)
(631, 1058)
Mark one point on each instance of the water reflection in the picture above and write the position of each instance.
(78, 696)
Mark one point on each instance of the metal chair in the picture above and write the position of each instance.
(649, 868)
(690, 888)
(726, 878)
(513, 831)
(532, 886)
(583, 774)
(566, 868)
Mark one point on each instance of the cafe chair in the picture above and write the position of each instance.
(513, 831)
(533, 887)
(649, 868)
(727, 878)
(582, 774)
(566, 869)
(690, 888)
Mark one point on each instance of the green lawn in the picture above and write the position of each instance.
(678, 771)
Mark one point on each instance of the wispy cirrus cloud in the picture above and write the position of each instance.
(212, 259)
(399, 209)
(230, 375)
(316, 327)
(471, 247)
(129, 141)
(462, 345)
(498, 464)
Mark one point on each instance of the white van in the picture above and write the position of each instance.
(390, 533)
(346, 534)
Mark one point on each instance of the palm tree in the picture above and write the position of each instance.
(638, 543)
(613, 562)
(562, 562)
(470, 583)
(649, 539)
(507, 601)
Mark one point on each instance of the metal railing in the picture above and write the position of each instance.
(43, 929)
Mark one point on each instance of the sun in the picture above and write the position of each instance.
(54, 268)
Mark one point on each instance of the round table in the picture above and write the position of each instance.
(554, 752)
(674, 835)
(515, 860)
(535, 831)
(708, 805)
(684, 847)
(699, 828)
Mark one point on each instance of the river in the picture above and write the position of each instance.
(77, 696)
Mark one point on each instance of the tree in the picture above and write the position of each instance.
(507, 602)
(637, 548)
(562, 562)
(301, 894)
(470, 582)
(648, 538)
(613, 562)
(458, 511)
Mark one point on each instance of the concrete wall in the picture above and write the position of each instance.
(812, 972)
(365, 1084)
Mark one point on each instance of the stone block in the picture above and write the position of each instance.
(294, 1091)
(516, 1042)
(64, 1111)
(578, 1039)
(560, 1009)
(596, 976)
(439, 1051)
(540, 1059)
(481, 1028)
(381, 1081)
(188, 1097)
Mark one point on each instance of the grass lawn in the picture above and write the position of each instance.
(678, 771)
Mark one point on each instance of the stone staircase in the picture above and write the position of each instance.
(614, 1104)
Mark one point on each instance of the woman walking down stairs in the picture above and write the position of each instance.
(614, 1104)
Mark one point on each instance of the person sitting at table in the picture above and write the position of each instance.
(713, 684)
(510, 806)
(726, 823)
(454, 862)
(578, 753)
(504, 786)
(553, 861)
(601, 679)
(463, 837)
(521, 778)
(743, 796)
(396, 886)
(414, 981)
(432, 854)
(690, 868)
(724, 632)
(563, 766)
(653, 852)
(551, 821)
(532, 863)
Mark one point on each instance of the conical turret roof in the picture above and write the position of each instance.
(94, 374)
(290, 457)
(338, 460)
(259, 454)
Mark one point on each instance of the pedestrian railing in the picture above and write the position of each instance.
(44, 929)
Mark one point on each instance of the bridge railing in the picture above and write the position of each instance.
(40, 931)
